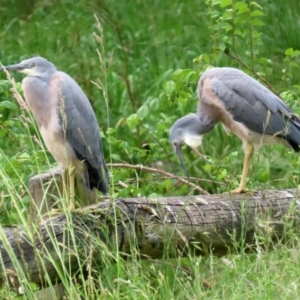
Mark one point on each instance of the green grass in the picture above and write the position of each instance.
(143, 43)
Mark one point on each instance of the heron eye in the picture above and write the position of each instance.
(32, 65)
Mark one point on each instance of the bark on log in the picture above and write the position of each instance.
(175, 225)
(46, 191)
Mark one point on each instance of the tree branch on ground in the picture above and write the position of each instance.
(155, 170)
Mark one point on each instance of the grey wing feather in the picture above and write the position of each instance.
(255, 106)
(82, 131)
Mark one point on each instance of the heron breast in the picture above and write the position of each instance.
(57, 144)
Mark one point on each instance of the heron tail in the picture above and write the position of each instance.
(294, 134)
(98, 178)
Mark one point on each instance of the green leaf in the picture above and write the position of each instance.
(110, 131)
(154, 104)
(257, 22)
(256, 13)
(23, 157)
(243, 10)
(256, 5)
(215, 14)
(143, 111)
(264, 61)
(169, 87)
(8, 104)
(215, 2)
(186, 75)
(228, 14)
(203, 57)
(238, 32)
(183, 97)
(228, 27)
(241, 7)
(120, 122)
(289, 51)
(293, 64)
(225, 3)
(132, 121)
(5, 85)
(296, 53)
(206, 58)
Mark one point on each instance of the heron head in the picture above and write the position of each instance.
(187, 130)
(36, 66)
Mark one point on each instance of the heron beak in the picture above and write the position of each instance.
(200, 155)
(179, 155)
(16, 67)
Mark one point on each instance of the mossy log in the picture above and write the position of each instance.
(197, 225)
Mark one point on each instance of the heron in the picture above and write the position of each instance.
(67, 123)
(244, 107)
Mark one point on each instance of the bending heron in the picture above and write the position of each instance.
(244, 107)
(67, 123)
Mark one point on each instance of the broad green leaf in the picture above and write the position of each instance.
(215, 14)
(225, 3)
(257, 22)
(215, 2)
(110, 131)
(228, 14)
(143, 111)
(206, 58)
(264, 61)
(289, 51)
(154, 104)
(256, 13)
(169, 87)
(238, 32)
(228, 27)
(256, 5)
(186, 75)
(120, 122)
(132, 121)
(5, 84)
(240, 6)
(23, 157)
(8, 104)
(296, 53)
(293, 64)
(243, 10)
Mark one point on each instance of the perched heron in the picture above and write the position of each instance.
(244, 107)
(66, 121)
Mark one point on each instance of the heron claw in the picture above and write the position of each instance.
(242, 190)
(52, 212)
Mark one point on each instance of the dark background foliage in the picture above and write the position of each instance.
(151, 55)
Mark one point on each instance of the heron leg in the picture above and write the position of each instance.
(72, 187)
(64, 184)
(247, 158)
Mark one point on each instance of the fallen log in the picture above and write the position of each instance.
(175, 225)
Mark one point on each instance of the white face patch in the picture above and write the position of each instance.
(29, 72)
(193, 141)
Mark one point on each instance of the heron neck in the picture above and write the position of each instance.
(206, 123)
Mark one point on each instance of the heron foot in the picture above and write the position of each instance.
(52, 213)
(242, 190)
(57, 211)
